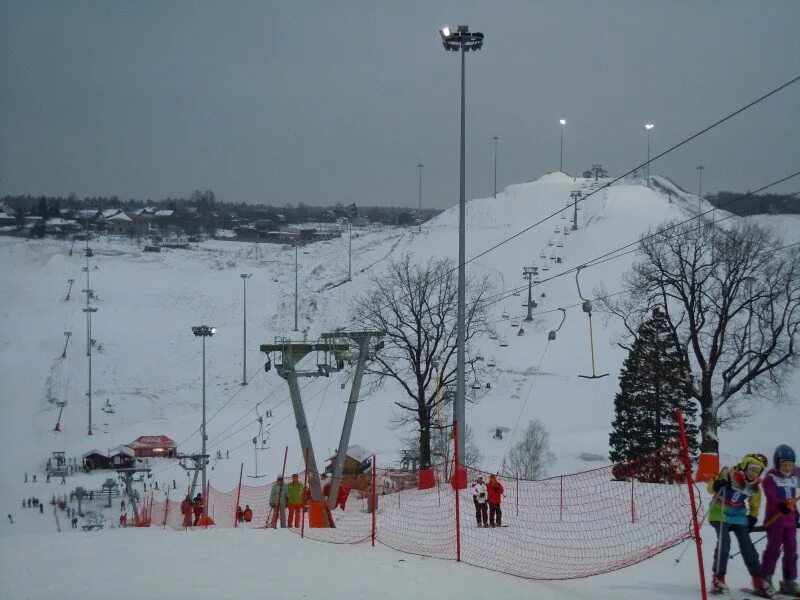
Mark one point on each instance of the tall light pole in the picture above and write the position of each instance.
(350, 250)
(495, 138)
(648, 127)
(420, 167)
(204, 331)
(461, 41)
(295, 285)
(89, 310)
(245, 277)
(562, 122)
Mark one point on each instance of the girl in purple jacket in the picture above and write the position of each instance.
(780, 488)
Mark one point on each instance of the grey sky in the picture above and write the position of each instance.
(325, 102)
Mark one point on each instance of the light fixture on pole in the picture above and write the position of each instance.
(562, 122)
(204, 331)
(462, 41)
(295, 285)
(419, 216)
(245, 277)
(89, 310)
(350, 249)
(495, 138)
(648, 127)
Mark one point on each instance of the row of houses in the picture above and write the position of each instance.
(145, 446)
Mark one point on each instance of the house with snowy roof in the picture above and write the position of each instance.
(126, 223)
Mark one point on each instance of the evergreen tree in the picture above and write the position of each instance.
(652, 386)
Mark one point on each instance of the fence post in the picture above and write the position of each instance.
(302, 499)
(516, 480)
(166, 509)
(690, 484)
(374, 499)
(238, 497)
(455, 490)
(561, 500)
(633, 506)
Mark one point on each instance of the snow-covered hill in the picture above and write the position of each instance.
(149, 367)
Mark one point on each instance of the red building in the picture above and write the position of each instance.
(159, 446)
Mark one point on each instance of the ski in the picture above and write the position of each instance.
(780, 595)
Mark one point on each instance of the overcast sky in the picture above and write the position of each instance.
(323, 102)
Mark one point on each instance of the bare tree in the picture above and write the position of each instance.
(415, 304)
(528, 458)
(731, 298)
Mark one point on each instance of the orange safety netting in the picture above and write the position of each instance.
(563, 527)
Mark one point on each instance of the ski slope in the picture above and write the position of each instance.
(149, 368)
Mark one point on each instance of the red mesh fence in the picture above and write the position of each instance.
(559, 528)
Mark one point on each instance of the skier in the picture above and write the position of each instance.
(63, 480)
(30, 501)
(23, 503)
(48, 478)
(734, 486)
(495, 494)
(247, 515)
(26, 478)
(277, 503)
(479, 495)
(34, 478)
(186, 511)
(10, 518)
(74, 522)
(197, 508)
(41, 508)
(239, 515)
(174, 485)
(294, 494)
(781, 519)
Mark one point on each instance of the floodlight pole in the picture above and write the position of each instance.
(648, 127)
(495, 138)
(204, 331)
(295, 286)
(461, 41)
(562, 122)
(245, 277)
(350, 250)
(419, 216)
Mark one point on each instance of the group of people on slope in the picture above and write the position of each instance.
(735, 507)
(244, 516)
(487, 498)
(292, 495)
(191, 507)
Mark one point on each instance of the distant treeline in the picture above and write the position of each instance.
(206, 202)
(756, 204)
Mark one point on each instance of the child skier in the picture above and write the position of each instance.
(780, 520)
(733, 487)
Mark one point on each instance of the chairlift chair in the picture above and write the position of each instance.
(542, 255)
(563, 216)
(550, 242)
(545, 267)
(504, 314)
(515, 323)
(491, 362)
(503, 342)
(560, 244)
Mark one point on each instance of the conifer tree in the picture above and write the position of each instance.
(653, 384)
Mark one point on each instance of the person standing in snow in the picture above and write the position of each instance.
(247, 514)
(41, 508)
(277, 503)
(10, 518)
(186, 511)
(294, 500)
(48, 478)
(495, 491)
(26, 478)
(734, 487)
(781, 519)
(34, 478)
(479, 498)
(197, 508)
(239, 515)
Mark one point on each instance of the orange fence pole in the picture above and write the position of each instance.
(687, 464)
(303, 498)
(166, 509)
(238, 497)
(455, 489)
(374, 500)
(205, 503)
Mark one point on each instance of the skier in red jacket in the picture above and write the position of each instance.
(186, 511)
(494, 490)
(197, 508)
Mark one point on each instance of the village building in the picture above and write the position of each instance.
(156, 446)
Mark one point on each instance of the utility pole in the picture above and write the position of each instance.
(295, 286)
(349, 250)
(699, 191)
(89, 310)
(420, 166)
(495, 138)
(562, 122)
(245, 277)
(530, 273)
(575, 194)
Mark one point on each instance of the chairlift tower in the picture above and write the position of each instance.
(530, 273)
(128, 475)
(333, 348)
(575, 195)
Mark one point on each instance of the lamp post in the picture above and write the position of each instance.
(462, 41)
(204, 331)
(89, 310)
(245, 277)
(350, 250)
(648, 127)
(562, 122)
(420, 167)
(495, 138)
(295, 286)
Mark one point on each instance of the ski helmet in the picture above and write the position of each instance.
(782, 452)
(755, 459)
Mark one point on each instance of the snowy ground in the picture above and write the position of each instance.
(149, 372)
